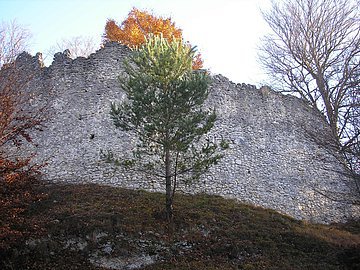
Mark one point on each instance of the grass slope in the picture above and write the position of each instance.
(125, 229)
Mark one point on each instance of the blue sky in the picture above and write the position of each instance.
(226, 32)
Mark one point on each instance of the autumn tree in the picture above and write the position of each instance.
(19, 176)
(314, 52)
(164, 108)
(14, 39)
(134, 30)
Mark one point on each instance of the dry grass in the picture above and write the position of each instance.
(208, 232)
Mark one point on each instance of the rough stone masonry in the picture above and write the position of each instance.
(281, 152)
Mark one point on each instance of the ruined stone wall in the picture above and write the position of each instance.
(280, 154)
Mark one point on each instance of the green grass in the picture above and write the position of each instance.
(208, 232)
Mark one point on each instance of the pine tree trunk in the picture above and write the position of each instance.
(169, 207)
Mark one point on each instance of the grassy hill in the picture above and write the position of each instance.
(98, 227)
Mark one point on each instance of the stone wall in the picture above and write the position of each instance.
(280, 155)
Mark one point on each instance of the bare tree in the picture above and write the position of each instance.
(14, 39)
(314, 52)
(351, 126)
(78, 46)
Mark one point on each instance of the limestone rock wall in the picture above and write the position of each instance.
(280, 154)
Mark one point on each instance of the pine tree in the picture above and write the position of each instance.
(164, 108)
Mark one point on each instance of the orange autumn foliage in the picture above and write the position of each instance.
(138, 25)
(198, 62)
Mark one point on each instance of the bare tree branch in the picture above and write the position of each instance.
(314, 52)
(17, 116)
(77, 45)
(14, 39)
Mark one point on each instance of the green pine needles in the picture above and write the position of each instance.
(164, 108)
